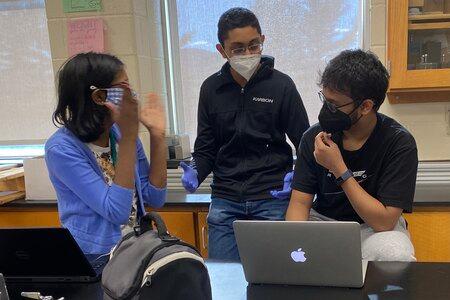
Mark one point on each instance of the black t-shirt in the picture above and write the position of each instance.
(385, 167)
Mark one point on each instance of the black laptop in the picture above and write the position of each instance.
(46, 255)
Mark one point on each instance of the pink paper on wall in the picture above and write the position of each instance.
(85, 35)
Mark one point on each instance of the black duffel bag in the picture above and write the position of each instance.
(152, 264)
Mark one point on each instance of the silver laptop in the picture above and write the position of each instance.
(301, 253)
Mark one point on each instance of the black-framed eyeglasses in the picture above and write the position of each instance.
(333, 107)
(253, 49)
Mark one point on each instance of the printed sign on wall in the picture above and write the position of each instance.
(85, 35)
(81, 5)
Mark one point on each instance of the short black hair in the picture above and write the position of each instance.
(358, 74)
(237, 17)
(76, 110)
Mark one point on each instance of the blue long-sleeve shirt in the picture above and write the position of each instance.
(91, 209)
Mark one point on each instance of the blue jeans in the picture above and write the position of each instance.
(222, 213)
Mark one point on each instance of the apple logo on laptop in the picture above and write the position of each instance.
(298, 255)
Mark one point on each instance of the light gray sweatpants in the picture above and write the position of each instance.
(394, 245)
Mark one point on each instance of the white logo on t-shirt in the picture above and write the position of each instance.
(359, 174)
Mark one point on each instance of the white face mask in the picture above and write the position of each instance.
(245, 65)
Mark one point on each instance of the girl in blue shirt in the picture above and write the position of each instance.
(95, 160)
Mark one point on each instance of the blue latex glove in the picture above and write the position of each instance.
(189, 178)
(286, 191)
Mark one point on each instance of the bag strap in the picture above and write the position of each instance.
(146, 223)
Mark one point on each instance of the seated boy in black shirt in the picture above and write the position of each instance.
(360, 164)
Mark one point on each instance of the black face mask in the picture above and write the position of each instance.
(338, 121)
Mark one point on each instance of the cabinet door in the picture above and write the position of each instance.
(430, 234)
(180, 224)
(418, 47)
(29, 219)
(202, 233)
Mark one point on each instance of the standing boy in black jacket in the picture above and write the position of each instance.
(244, 113)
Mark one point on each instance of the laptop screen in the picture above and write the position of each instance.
(41, 252)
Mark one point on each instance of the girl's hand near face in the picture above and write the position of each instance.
(126, 115)
(152, 115)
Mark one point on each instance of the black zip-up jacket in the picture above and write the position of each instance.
(241, 133)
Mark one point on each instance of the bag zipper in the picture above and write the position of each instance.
(152, 269)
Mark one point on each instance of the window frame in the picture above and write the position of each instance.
(169, 20)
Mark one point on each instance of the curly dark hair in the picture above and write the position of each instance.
(236, 17)
(358, 74)
(76, 110)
